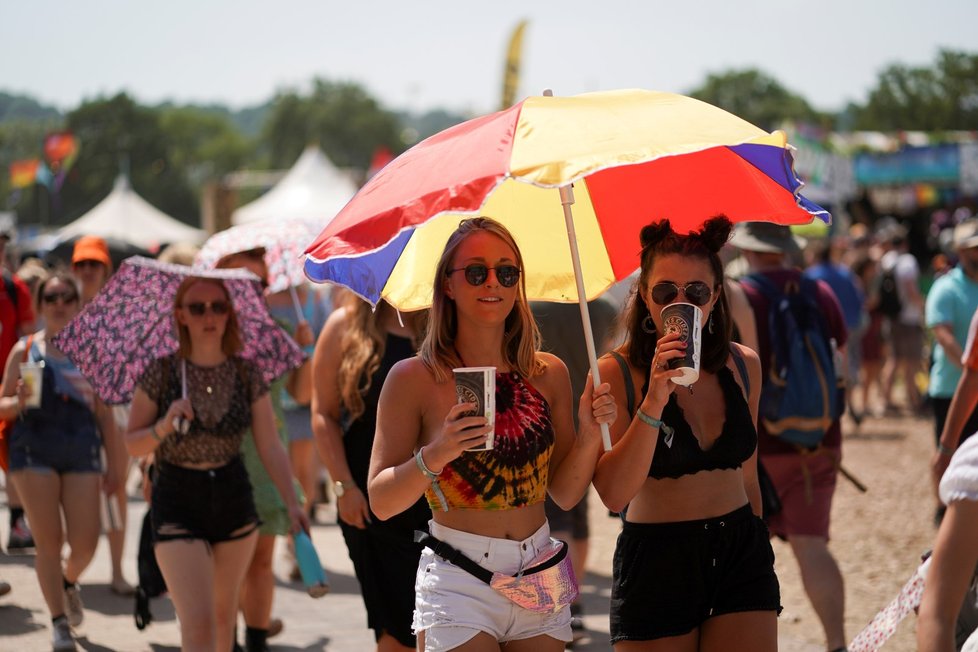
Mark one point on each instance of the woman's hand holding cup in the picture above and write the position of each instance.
(661, 386)
(461, 431)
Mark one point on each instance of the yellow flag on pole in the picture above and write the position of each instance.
(511, 74)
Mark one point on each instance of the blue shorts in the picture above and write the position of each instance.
(57, 450)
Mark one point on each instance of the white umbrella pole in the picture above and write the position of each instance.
(295, 303)
(566, 200)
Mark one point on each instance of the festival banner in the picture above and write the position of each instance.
(511, 73)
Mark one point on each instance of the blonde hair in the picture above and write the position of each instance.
(362, 348)
(521, 340)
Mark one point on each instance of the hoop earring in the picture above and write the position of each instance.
(648, 325)
(709, 324)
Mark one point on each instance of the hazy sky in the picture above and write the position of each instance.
(423, 54)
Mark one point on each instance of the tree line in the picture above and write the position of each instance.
(170, 151)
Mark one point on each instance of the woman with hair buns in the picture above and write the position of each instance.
(693, 568)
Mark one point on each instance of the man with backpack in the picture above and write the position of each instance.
(904, 326)
(801, 336)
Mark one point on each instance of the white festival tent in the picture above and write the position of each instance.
(313, 190)
(124, 215)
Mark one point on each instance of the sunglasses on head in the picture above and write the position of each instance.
(477, 273)
(199, 308)
(54, 297)
(697, 293)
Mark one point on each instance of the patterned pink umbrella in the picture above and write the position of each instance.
(130, 323)
(284, 242)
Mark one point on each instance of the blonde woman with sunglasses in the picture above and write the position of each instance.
(487, 504)
(693, 568)
(203, 511)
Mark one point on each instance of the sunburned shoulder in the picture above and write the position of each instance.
(410, 370)
(337, 319)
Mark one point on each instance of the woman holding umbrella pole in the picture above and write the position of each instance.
(191, 410)
(693, 568)
(489, 505)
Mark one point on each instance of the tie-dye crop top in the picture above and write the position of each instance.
(515, 472)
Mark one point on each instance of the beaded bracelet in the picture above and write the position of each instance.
(944, 450)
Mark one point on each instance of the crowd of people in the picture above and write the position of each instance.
(436, 523)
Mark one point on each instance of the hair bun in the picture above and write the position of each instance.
(653, 233)
(715, 232)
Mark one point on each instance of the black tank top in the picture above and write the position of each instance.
(358, 436)
(736, 443)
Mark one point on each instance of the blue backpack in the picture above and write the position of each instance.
(804, 392)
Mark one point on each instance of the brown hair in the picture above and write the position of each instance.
(362, 349)
(658, 239)
(521, 340)
(59, 275)
(230, 342)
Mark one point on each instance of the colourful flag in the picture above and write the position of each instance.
(23, 173)
(60, 150)
(511, 74)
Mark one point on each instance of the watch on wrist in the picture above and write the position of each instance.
(339, 488)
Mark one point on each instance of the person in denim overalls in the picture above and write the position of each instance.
(54, 456)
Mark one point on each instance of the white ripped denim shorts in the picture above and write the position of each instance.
(451, 605)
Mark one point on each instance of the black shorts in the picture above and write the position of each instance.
(670, 577)
(385, 560)
(214, 505)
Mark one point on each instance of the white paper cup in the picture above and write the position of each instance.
(478, 385)
(32, 374)
(685, 319)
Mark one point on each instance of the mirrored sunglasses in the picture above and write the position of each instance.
(477, 273)
(697, 293)
(199, 308)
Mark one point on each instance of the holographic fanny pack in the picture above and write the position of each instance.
(546, 585)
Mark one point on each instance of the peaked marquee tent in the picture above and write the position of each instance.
(124, 215)
(313, 190)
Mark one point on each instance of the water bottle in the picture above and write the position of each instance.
(313, 575)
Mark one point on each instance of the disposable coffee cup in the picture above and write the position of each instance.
(33, 375)
(685, 319)
(478, 385)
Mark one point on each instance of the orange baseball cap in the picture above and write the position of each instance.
(91, 247)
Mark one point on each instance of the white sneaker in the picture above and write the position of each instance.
(61, 639)
(74, 609)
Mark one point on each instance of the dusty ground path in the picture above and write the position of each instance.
(877, 538)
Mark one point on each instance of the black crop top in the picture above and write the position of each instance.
(682, 454)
